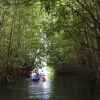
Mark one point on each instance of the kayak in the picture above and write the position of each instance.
(35, 79)
(38, 77)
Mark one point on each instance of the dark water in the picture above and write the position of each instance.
(58, 89)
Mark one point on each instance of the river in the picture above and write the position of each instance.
(62, 88)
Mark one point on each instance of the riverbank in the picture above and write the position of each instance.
(76, 71)
(14, 74)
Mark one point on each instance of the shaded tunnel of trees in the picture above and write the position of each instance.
(63, 33)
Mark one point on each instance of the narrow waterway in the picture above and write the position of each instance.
(61, 88)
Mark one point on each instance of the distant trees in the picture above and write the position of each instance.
(56, 31)
(73, 32)
(20, 33)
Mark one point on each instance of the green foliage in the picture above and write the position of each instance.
(20, 34)
(33, 31)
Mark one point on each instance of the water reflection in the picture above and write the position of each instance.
(39, 90)
(59, 89)
(73, 89)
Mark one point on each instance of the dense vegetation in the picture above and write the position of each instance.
(58, 32)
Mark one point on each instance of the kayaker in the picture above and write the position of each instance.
(35, 75)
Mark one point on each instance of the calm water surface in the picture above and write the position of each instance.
(58, 89)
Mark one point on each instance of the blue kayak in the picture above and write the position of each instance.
(36, 78)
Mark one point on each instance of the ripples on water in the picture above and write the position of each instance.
(58, 89)
(39, 90)
(26, 90)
